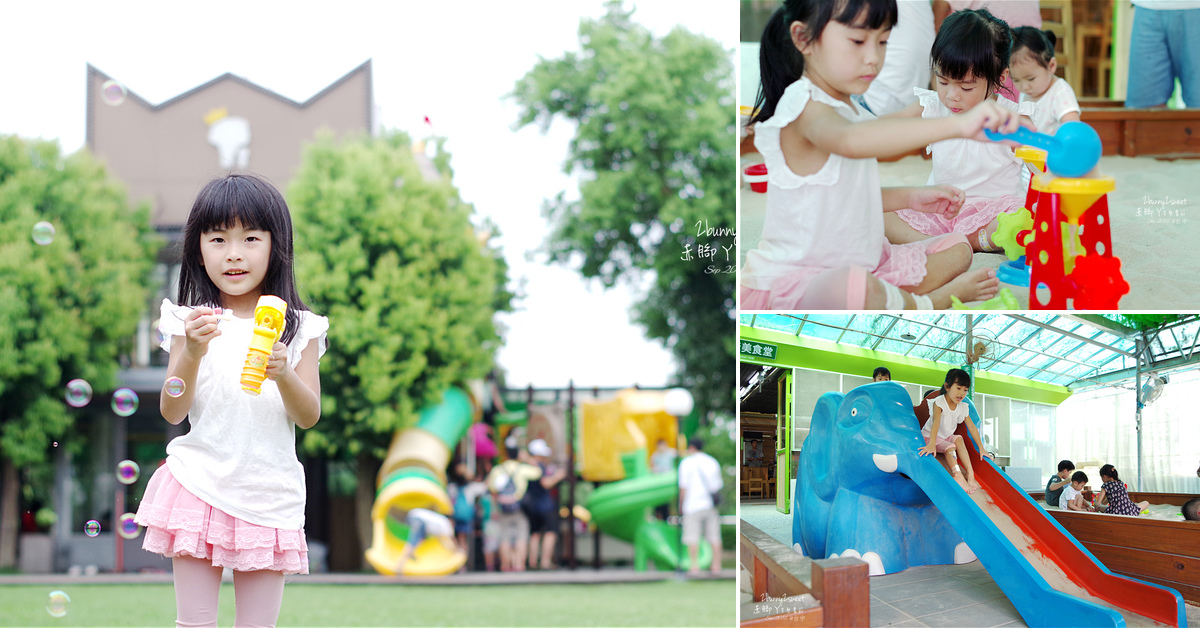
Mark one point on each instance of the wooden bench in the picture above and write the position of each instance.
(839, 594)
(1166, 133)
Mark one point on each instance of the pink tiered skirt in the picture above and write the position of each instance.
(180, 524)
(976, 214)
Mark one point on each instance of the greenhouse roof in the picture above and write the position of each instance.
(1074, 350)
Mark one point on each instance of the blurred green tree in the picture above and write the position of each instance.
(386, 249)
(654, 147)
(68, 308)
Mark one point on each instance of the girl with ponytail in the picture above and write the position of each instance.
(1114, 494)
(823, 244)
(1032, 67)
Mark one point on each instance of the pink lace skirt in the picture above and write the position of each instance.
(180, 524)
(976, 214)
(819, 288)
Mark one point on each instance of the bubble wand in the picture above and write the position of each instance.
(268, 327)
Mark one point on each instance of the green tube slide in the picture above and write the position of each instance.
(621, 509)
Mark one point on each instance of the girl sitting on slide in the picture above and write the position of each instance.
(946, 411)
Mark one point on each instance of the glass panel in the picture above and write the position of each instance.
(998, 409)
(810, 385)
(855, 338)
(850, 382)
(893, 346)
(777, 322)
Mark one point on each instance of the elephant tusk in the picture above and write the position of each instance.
(963, 554)
(887, 464)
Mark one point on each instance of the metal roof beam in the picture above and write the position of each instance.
(1105, 325)
(1070, 334)
(1131, 373)
(895, 319)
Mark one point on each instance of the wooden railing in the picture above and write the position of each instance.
(839, 595)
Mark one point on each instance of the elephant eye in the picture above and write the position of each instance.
(860, 411)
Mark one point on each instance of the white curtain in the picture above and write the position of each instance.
(1101, 425)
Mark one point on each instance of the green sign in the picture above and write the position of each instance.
(758, 349)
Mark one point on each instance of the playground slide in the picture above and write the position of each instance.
(620, 509)
(1044, 571)
(413, 476)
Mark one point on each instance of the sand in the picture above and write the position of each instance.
(1160, 253)
(1054, 574)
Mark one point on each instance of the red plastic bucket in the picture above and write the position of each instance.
(756, 176)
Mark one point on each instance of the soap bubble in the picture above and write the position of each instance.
(124, 402)
(175, 387)
(92, 528)
(127, 471)
(79, 393)
(57, 604)
(43, 233)
(127, 527)
(113, 93)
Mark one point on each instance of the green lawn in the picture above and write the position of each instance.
(666, 603)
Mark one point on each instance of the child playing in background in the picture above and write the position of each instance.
(1072, 496)
(1015, 13)
(1058, 482)
(231, 493)
(823, 244)
(423, 523)
(1114, 494)
(970, 60)
(946, 411)
(1032, 68)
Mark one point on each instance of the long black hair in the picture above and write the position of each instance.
(1110, 471)
(779, 62)
(256, 204)
(956, 376)
(975, 42)
(1039, 43)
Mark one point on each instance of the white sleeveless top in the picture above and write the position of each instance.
(979, 169)
(1058, 101)
(829, 219)
(240, 455)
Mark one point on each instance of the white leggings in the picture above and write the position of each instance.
(257, 594)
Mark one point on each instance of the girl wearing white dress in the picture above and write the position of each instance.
(823, 244)
(970, 61)
(231, 493)
(1033, 65)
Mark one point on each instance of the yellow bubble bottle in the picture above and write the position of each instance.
(268, 327)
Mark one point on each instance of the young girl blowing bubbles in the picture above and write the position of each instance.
(823, 243)
(231, 493)
(970, 61)
(1032, 66)
(946, 411)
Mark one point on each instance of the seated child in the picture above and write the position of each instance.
(945, 413)
(969, 72)
(1191, 510)
(1114, 494)
(1058, 482)
(1032, 67)
(1072, 496)
(823, 244)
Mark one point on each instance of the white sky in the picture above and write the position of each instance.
(566, 328)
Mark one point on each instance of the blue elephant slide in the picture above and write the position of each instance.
(862, 491)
